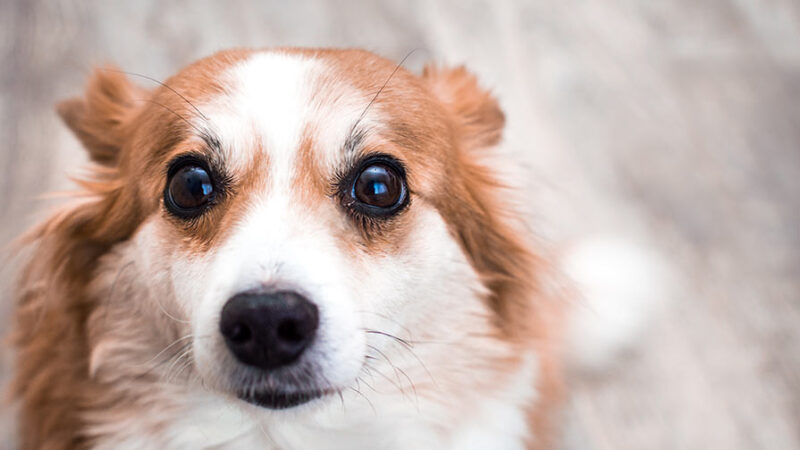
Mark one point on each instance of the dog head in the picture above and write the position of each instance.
(289, 214)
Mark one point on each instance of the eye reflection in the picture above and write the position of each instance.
(189, 190)
(380, 186)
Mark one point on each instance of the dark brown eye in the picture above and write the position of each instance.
(189, 190)
(379, 189)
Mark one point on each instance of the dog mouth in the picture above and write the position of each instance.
(274, 399)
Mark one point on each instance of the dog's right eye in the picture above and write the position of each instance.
(189, 191)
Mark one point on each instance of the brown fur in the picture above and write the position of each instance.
(123, 127)
(51, 373)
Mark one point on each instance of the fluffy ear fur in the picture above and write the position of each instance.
(479, 117)
(99, 119)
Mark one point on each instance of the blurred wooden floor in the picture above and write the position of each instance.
(676, 122)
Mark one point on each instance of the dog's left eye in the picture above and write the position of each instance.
(379, 188)
(378, 185)
(189, 190)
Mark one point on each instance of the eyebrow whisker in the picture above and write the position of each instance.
(133, 74)
(397, 67)
(173, 112)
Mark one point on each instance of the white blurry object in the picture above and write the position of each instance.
(621, 284)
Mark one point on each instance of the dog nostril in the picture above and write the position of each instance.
(290, 330)
(239, 333)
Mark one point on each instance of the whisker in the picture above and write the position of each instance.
(411, 383)
(341, 398)
(169, 375)
(189, 362)
(161, 307)
(365, 381)
(199, 131)
(399, 382)
(165, 349)
(374, 411)
(366, 368)
(408, 346)
(383, 333)
(160, 83)
(390, 319)
(400, 64)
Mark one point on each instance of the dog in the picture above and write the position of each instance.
(289, 249)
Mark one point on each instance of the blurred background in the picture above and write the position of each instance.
(671, 123)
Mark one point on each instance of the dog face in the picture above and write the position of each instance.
(294, 214)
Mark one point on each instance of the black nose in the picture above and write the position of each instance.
(268, 330)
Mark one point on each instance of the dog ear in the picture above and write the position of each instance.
(479, 118)
(99, 118)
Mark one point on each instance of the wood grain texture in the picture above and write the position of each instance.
(676, 122)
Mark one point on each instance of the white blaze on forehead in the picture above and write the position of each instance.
(271, 100)
(264, 108)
